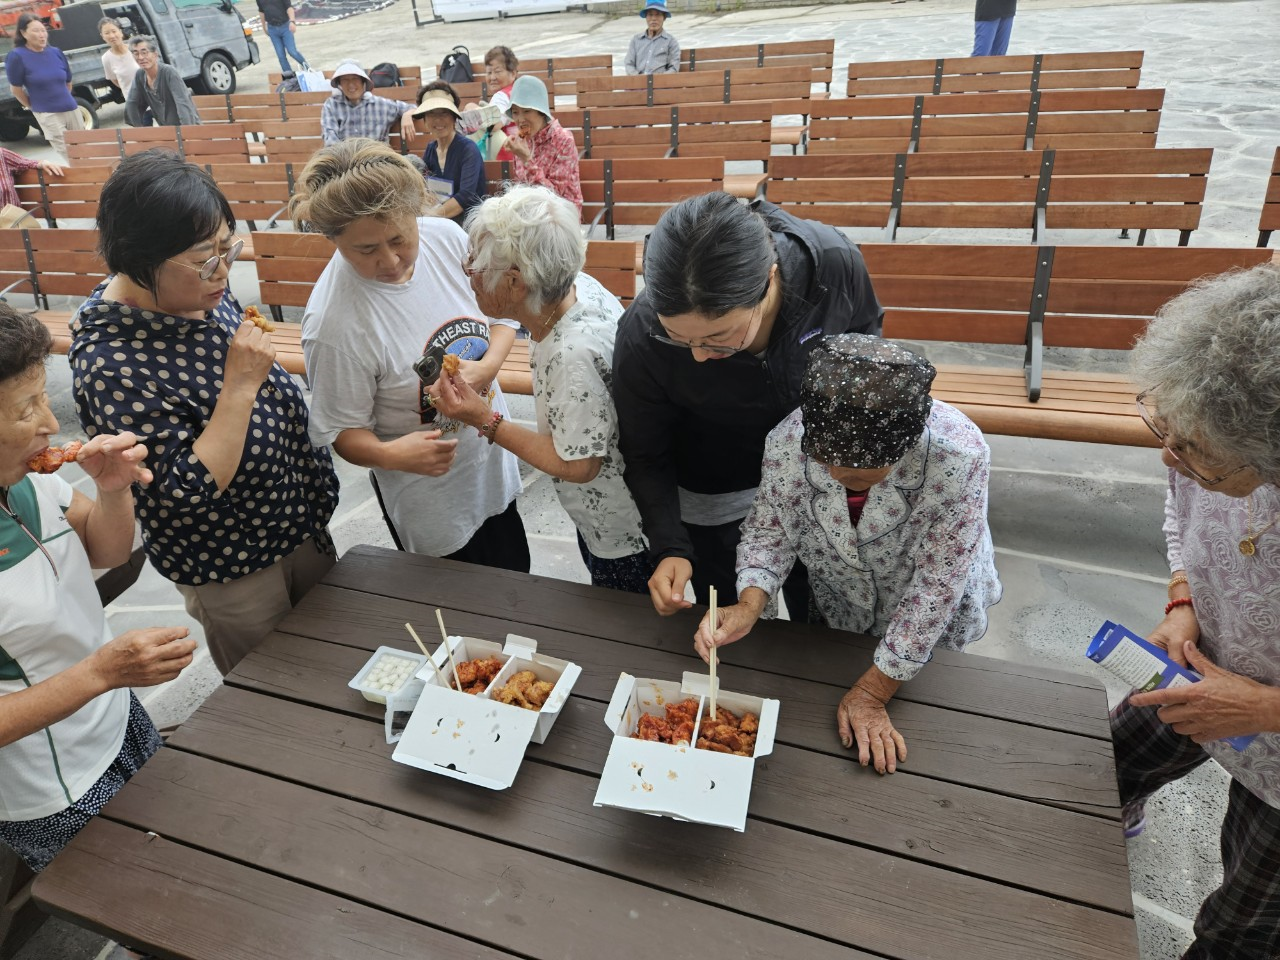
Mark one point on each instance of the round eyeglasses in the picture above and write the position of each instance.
(713, 348)
(1153, 424)
(210, 266)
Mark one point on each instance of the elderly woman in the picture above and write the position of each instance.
(751, 288)
(449, 158)
(71, 732)
(40, 77)
(526, 261)
(1209, 365)
(882, 492)
(394, 299)
(545, 152)
(237, 516)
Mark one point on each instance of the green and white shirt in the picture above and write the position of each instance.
(50, 619)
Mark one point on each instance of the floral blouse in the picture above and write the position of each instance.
(573, 394)
(554, 163)
(917, 571)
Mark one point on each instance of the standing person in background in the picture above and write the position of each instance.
(281, 25)
(992, 24)
(654, 50)
(159, 88)
(500, 69)
(118, 65)
(546, 155)
(41, 80)
(353, 111)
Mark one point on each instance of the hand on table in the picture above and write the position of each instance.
(666, 586)
(732, 622)
(419, 452)
(457, 399)
(862, 719)
(114, 462)
(142, 658)
(1223, 704)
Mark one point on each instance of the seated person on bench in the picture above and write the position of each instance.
(354, 111)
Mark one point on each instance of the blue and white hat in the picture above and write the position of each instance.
(656, 5)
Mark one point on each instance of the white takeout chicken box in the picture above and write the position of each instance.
(680, 781)
(475, 737)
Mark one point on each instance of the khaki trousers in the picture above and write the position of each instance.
(54, 126)
(237, 615)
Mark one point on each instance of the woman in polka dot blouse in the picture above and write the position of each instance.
(237, 515)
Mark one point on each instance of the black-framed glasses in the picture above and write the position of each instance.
(210, 266)
(1153, 424)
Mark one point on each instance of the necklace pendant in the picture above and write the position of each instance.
(1247, 547)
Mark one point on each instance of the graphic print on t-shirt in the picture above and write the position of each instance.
(465, 337)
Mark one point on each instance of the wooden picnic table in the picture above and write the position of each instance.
(276, 825)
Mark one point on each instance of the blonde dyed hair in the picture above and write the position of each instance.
(353, 179)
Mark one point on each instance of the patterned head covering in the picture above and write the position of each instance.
(864, 401)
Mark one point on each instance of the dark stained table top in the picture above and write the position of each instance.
(275, 826)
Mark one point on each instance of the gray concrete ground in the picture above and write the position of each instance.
(1076, 526)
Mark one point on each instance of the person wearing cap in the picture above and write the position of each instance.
(653, 50)
(545, 152)
(449, 157)
(881, 491)
(353, 110)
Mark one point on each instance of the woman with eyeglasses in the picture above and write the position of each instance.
(237, 515)
(708, 360)
(1209, 366)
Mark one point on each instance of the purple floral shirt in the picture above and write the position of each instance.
(918, 571)
(1237, 603)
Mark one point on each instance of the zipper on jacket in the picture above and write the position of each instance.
(34, 539)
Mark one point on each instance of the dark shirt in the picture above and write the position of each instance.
(160, 376)
(275, 12)
(43, 75)
(995, 9)
(464, 167)
(169, 100)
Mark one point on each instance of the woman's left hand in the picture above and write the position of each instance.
(520, 147)
(114, 462)
(862, 719)
(458, 400)
(1223, 704)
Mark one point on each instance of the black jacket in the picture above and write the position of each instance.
(995, 9)
(702, 426)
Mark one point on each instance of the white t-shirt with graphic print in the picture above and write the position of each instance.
(360, 339)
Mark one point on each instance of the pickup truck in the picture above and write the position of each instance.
(206, 40)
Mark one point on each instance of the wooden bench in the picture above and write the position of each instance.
(561, 74)
(1143, 189)
(410, 76)
(1053, 119)
(638, 192)
(711, 86)
(256, 191)
(1045, 71)
(251, 109)
(1037, 297)
(1270, 217)
(74, 195)
(816, 54)
(195, 142)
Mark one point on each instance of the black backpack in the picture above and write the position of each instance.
(456, 67)
(386, 75)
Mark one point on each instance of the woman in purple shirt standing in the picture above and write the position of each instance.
(41, 79)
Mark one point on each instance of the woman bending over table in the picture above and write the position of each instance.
(882, 492)
(1209, 366)
(71, 732)
(526, 261)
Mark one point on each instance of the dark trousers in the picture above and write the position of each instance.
(716, 565)
(1241, 919)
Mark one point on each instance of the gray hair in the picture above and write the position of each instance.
(1210, 360)
(144, 39)
(537, 232)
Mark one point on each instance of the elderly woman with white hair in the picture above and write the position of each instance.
(527, 255)
(1209, 367)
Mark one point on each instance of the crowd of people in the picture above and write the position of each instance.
(740, 426)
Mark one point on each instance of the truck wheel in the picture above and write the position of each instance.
(217, 74)
(88, 115)
(13, 128)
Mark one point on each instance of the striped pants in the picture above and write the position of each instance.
(1241, 919)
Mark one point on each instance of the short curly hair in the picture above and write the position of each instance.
(24, 343)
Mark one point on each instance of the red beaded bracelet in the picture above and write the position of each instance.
(1180, 602)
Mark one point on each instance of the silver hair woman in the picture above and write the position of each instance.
(1209, 369)
(526, 262)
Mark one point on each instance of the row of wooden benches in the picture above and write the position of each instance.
(1029, 297)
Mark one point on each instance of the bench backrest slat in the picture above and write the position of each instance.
(1011, 72)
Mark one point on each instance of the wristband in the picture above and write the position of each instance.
(1180, 602)
(489, 430)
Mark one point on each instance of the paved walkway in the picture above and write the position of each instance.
(1076, 526)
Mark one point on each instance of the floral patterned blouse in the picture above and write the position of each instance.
(1237, 602)
(918, 571)
(554, 163)
(573, 393)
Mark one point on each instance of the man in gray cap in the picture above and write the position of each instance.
(881, 492)
(353, 110)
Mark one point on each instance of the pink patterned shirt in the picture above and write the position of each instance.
(554, 163)
(11, 162)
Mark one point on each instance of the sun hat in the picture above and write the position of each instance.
(349, 68)
(656, 5)
(436, 100)
(864, 400)
(531, 93)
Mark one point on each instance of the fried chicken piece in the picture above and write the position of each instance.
(705, 744)
(675, 728)
(451, 364)
(254, 315)
(727, 733)
(474, 675)
(49, 460)
(524, 689)
(653, 728)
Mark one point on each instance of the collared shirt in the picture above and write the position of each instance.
(1237, 602)
(160, 376)
(370, 116)
(918, 570)
(554, 163)
(660, 54)
(11, 163)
